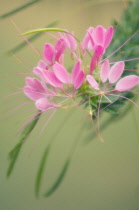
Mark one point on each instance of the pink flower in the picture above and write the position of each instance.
(97, 39)
(59, 75)
(112, 75)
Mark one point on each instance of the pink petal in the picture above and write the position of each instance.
(41, 87)
(127, 83)
(29, 82)
(33, 94)
(99, 50)
(76, 70)
(71, 41)
(94, 62)
(90, 79)
(39, 72)
(35, 84)
(85, 41)
(65, 40)
(99, 35)
(42, 64)
(51, 79)
(91, 41)
(116, 71)
(109, 36)
(61, 59)
(49, 52)
(79, 80)
(104, 71)
(59, 47)
(43, 104)
(61, 73)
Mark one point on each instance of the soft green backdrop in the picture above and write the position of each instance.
(101, 176)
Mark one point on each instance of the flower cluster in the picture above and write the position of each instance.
(56, 82)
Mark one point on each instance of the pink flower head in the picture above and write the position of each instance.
(97, 39)
(112, 75)
(60, 75)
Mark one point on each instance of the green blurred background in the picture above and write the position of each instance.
(101, 176)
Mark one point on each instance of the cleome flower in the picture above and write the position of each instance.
(58, 79)
(55, 86)
(97, 39)
(56, 82)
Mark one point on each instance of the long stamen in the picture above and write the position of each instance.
(132, 59)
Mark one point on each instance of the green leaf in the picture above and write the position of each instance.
(18, 9)
(13, 155)
(41, 170)
(59, 179)
(43, 30)
(30, 39)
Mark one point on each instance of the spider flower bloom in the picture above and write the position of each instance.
(59, 76)
(97, 39)
(112, 75)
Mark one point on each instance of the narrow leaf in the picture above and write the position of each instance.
(30, 39)
(41, 170)
(13, 155)
(59, 179)
(18, 9)
(43, 30)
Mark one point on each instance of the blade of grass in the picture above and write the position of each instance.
(13, 155)
(18, 9)
(59, 179)
(40, 171)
